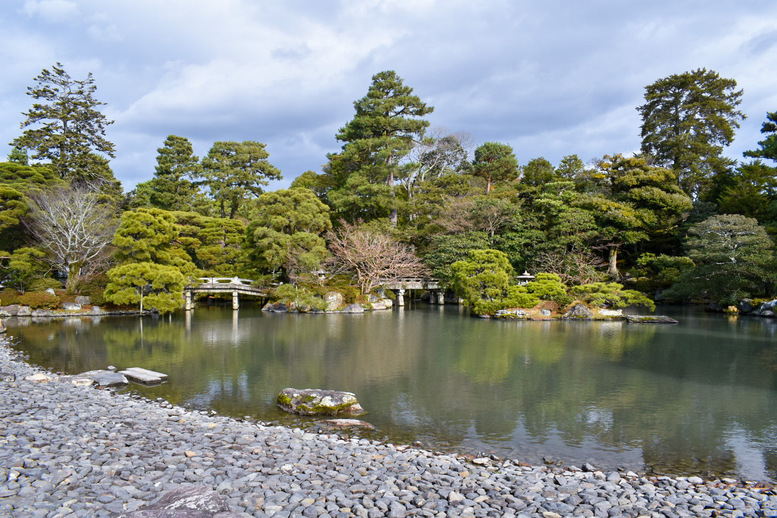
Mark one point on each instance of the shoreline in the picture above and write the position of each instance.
(79, 451)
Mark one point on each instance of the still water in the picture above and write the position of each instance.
(699, 397)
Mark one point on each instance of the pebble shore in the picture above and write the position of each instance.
(70, 451)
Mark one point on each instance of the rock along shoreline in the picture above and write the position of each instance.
(73, 451)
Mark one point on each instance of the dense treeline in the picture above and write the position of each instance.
(679, 221)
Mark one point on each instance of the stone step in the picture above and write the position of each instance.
(144, 375)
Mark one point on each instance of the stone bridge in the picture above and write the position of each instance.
(402, 284)
(234, 285)
(237, 286)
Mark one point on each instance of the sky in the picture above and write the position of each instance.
(551, 77)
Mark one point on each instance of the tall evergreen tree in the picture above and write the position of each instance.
(172, 187)
(687, 120)
(66, 127)
(387, 122)
(495, 162)
(235, 172)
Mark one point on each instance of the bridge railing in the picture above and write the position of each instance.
(225, 280)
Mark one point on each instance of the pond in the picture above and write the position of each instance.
(699, 397)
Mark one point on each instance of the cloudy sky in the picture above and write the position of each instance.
(549, 77)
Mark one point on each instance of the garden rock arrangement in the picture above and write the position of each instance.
(72, 451)
(333, 302)
(766, 309)
(68, 310)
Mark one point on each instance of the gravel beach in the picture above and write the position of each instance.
(68, 451)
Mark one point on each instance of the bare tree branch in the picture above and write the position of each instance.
(371, 257)
(73, 226)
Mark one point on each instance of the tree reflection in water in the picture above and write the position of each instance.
(694, 398)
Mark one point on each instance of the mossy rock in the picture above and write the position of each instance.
(650, 319)
(318, 402)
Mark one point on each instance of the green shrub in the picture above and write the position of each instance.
(9, 296)
(548, 286)
(97, 297)
(87, 286)
(517, 297)
(654, 273)
(44, 283)
(40, 300)
(285, 293)
(611, 295)
(350, 294)
(302, 298)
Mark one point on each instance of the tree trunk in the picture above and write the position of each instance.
(73, 272)
(393, 215)
(612, 270)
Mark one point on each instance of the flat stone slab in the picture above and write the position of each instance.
(103, 378)
(650, 319)
(187, 502)
(318, 402)
(143, 375)
(345, 424)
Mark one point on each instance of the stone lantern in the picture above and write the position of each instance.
(525, 278)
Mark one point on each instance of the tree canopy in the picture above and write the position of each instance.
(495, 162)
(733, 258)
(687, 120)
(285, 232)
(387, 124)
(235, 172)
(401, 198)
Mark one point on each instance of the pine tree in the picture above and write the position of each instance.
(172, 187)
(384, 129)
(67, 128)
(687, 120)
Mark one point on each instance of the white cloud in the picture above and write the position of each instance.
(51, 10)
(550, 78)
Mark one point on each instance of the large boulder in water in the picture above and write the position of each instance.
(334, 300)
(9, 311)
(746, 306)
(276, 307)
(318, 402)
(353, 308)
(578, 312)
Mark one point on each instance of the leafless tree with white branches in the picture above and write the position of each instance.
(73, 226)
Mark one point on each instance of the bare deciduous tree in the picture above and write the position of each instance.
(372, 257)
(73, 226)
(574, 266)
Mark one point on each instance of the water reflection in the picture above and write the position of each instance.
(700, 397)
